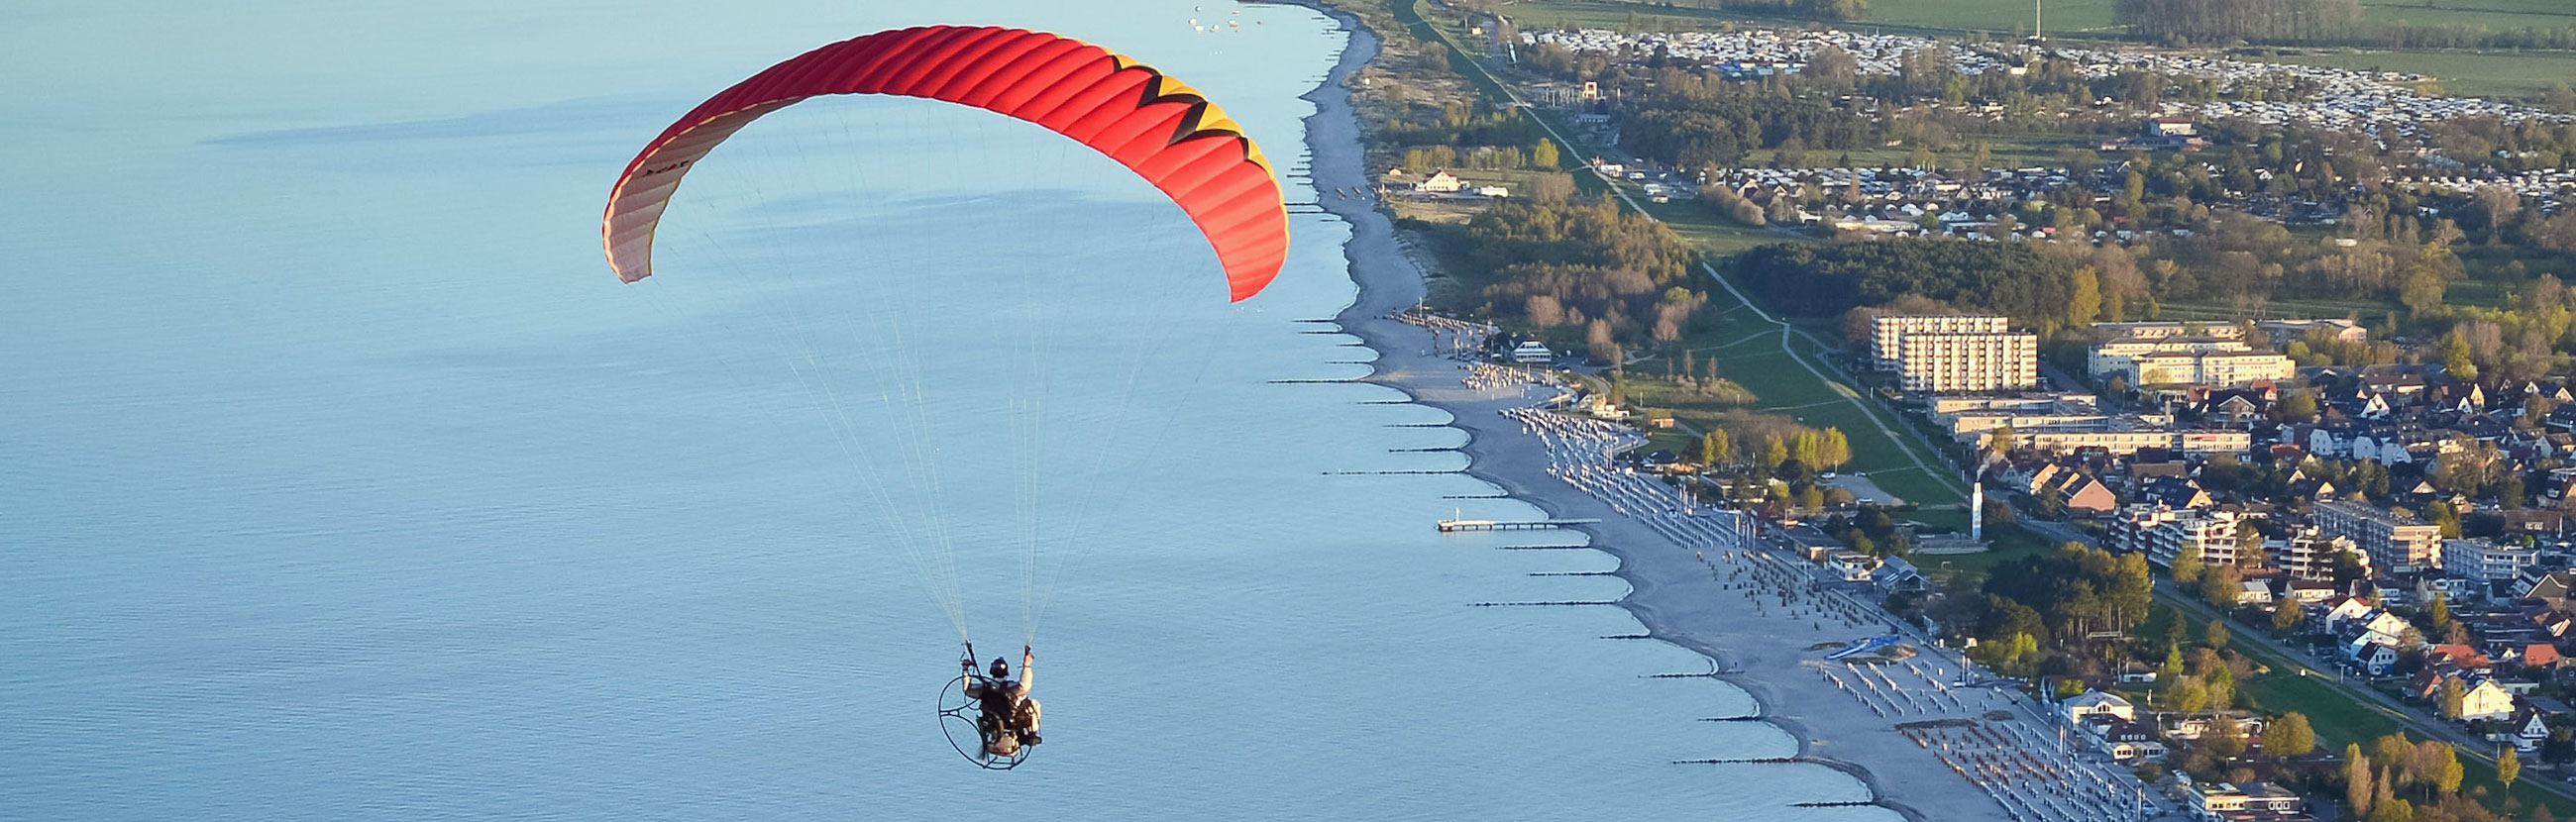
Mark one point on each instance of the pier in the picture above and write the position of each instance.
(1455, 525)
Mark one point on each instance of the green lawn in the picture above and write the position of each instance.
(1764, 368)
(2011, 543)
(2523, 75)
(2006, 16)
(2340, 718)
(1998, 17)
(2495, 15)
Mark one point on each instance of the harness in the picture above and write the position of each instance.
(1000, 708)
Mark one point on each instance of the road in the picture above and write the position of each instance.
(2404, 715)
(1885, 428)
(2467, 745)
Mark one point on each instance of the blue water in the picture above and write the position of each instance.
(340, 480)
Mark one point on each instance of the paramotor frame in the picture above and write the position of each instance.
(960, 714)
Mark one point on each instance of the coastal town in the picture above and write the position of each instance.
(2210, 456)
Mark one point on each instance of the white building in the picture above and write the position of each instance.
(2092, 703)
(2484, 559)
(2212, 533)
(2310, 553)
(2209, 368)
(2220, 800)
(1887, 334)
(2392, 545)
(1936, 362)
(2120, 355)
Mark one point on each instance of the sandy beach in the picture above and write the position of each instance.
(1753, 615)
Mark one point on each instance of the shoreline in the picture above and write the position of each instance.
(1672, 593)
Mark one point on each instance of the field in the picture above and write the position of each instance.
(2519, 75)
(2495, 15)
(1996, 17)
(2005, 16)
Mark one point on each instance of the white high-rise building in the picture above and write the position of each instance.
(2483, 559)
(2391, 544)
(1949, 362)
(1887, 334)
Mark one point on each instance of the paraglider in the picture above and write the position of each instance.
(1003, 717)
(1155, 126)
(1163, 131)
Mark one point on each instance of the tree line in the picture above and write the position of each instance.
(1620, 277)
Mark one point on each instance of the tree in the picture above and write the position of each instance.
(2290, 735)
(2285, 616)
(2356, 780)
(1543, 155)
(2226, 736)
(2215, 636)
(1716, 449)
(2299, 406)
(2187, 694)
(2394, 810)
(2508, 768)
(2186, 563)
(2084, 301)
(1835, 450)
(1556, 186)
(2422, 290)
(2439, 612)
(2221, 586)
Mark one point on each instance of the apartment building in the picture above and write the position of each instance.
(2309, 554)
(2484, 559)
(2118, 355)
(2212, 533)
(2391, 544)
(2214, 368)
(1887, 334)
(2155, 329)
(2123, 440)
(1967, 361)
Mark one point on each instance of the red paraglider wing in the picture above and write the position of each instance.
(1155, 126)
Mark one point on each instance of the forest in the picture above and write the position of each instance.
(2014, 280)
(1585, 264)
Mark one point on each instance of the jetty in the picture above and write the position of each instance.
(1456, 525)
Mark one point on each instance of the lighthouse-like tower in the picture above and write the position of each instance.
(1977, 506)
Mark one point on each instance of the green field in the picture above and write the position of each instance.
(2495, 15)
(2520, 75)
(2341, 718)
(2006, 16)
(1996, 17)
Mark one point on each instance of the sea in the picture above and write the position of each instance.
(340, 479)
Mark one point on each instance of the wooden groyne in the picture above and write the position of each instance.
(1456, 525)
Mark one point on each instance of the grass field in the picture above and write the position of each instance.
(2518, 75)
(2340, 718)
(2005, 16)
(1750, 351)
(2497, 15)
(1994, 17)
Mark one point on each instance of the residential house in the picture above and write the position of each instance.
(2486, 700)
(2096, 703)
(2250, 800)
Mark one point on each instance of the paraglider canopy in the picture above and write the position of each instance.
(1155, 126)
